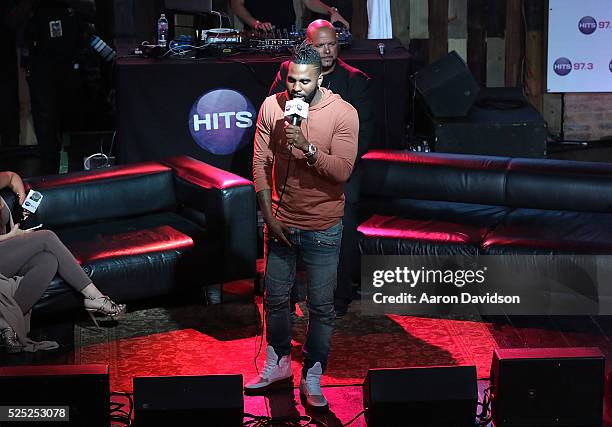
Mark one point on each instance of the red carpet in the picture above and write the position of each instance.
(359, 343)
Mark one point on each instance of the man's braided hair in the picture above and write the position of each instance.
(305, 54)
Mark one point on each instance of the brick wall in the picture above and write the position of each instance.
(587, 116)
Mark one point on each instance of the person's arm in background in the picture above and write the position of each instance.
(279, 83)
(14, 182)
(245, 16)
(320, 7)
(15, 231)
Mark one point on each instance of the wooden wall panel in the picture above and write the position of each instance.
(477, 39)
(514, 54)
(438, 29)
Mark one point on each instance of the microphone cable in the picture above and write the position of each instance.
(280, 199)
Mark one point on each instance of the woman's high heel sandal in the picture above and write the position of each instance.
(103, 305)
(8, 340)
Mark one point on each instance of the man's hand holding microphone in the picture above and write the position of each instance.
(296, 110)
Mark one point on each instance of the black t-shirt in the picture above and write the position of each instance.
(54, 29)
(279, 13)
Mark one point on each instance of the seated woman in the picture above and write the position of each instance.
(28, 262)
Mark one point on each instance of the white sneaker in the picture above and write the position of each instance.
(310, 388)
(275, 373)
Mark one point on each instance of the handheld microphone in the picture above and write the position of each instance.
(297, 110)
(32, 201)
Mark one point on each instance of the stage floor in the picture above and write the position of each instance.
(194, 339)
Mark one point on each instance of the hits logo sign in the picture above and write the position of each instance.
(587, 25)
(211, 121)
(221, 121)
(562, 66)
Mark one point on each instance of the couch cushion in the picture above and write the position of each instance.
(434, 176)
(546, 231)
(402, 236)
(559, 185)
(130, 243)
(119, 192)
(462, 213)
(136, 258)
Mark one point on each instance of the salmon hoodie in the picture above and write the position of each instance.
(312, 195)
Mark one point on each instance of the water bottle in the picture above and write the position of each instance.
(162, 31)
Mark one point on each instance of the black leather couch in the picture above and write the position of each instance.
(448, 204)
(148, 229)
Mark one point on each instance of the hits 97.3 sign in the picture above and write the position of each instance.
(579, 46)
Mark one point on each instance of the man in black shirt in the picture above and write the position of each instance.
(354, 87)
(62, 69)
(263, 15)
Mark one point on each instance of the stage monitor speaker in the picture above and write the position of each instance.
(501, 123)
(447, 86)
(545, 387)
(168, 401)
(436, 396)
(84, 389)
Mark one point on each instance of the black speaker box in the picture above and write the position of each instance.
(83, 388)
(547, 387)
(501, 123)
(436, 396)
(168, 401)
(447, 86)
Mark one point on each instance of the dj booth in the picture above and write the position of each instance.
(207, 108)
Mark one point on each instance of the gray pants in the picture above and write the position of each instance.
(37, 256)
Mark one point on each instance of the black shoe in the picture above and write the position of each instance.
(341, 307)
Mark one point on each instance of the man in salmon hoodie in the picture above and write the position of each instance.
(300, 172)
(354, 87)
